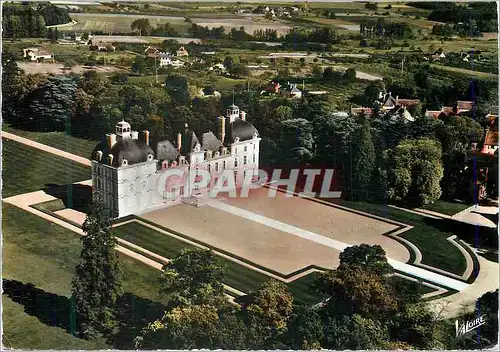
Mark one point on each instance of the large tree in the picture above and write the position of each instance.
(414, 171)
(193, 277)
(360, 163)
(267, 313)
(97, 283)
(370, 258)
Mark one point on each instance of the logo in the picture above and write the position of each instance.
(462, 329)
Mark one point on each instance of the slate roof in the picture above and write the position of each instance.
(242, 129)
(132, 150)
(210, 142)
(166, 151)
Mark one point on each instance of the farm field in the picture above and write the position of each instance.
(120, 22)
(58, 69)
(470, 73)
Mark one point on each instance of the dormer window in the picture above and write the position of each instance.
(237, 139)
(150, 157)
(124, 162)
(217, 154)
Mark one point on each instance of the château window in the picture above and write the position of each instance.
(253, 158)
(209, 167)
(236, 162)
(244, 160)
(216, 167)
(224, 165)
(245, 149)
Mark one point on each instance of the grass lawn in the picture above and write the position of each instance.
(59, 140)
(445, 207)
(27, 169)
(237, 276)
(38, 252)
(436, 250)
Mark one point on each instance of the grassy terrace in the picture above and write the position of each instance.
(237, 276)
(59, 140)
(471, 73)
(447, 208)
(43, 254)
(27, 169)
(436, 250)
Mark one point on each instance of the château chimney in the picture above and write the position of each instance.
(179, 141)
(111, 138)
(99, 155)
(222, 128)
(110, 159)
(397, 99)
(243, 115)
(145, 135)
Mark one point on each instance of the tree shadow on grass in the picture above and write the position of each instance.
(49, 308)
(134, 313)
(74, 196)
(480, 237)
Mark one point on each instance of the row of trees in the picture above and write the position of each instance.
(363, 305)
(30, 21)
(369, 28)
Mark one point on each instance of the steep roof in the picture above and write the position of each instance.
(464, 105)
(165, 150)
(433, 113)
(242, 129)
(210, 142)
(133, 150)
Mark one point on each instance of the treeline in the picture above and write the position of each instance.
(30, 21)
(480, 15)
(379, 28)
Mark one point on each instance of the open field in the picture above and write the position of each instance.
(57, 69)
(120, 22)
(27, 169)
(59, 140)
(43, 254)
(470, 73)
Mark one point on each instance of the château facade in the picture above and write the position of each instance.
(131, 175)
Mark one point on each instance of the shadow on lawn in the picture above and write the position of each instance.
(133, 312)
(49, 308)
(477, 236)
(74, 196)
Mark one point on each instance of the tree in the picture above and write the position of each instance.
(97, 281)
(353, 290)
(350, 75)
(228, 62)
(267, 314)
(283, 113)
(142, 25)
(317, 73)
(355, 333)
(414, 171)
(296, 141)
(360, 163)
(140, 65)
(51, 103)
(371, 258)
(177, 88)
(193, 277)
(305, 329)
(239, 70)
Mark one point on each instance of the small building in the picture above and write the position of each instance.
(165, 59)
(291, 92)
(220, 68)
(102, 46)
(36, 54)
(182, 52)
(271, 88)
(177, 63)
(389, 102)
(464, 106)
(151, 51)
(209, 92)
(363, 110)
(490, 145)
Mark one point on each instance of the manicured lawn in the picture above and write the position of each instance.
(59, 140)
(237, 276)
(436, 250)
(447, 208)
(43, 254)
(26, 169)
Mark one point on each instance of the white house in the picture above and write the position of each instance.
(165, 59)
(36, 54)
(132, 175)
(209, 93)
(182, 52)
